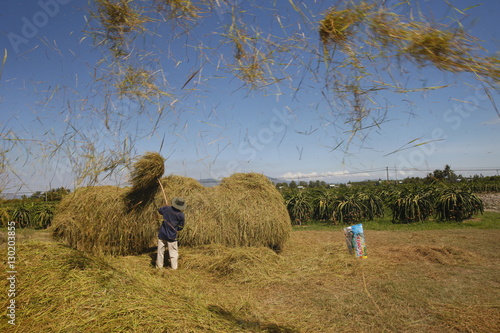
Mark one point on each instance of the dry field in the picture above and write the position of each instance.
(412, 281)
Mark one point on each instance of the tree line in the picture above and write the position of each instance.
(446, 175)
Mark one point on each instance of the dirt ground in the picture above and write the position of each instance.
(491, 201)
(26, 235)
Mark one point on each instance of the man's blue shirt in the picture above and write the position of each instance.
(173, 221)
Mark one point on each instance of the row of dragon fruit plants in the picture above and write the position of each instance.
(405, 204)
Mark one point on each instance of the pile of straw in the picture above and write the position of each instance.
(110, 219)
(145, 176)
(98, 220)
(246, 265)
(245, 210)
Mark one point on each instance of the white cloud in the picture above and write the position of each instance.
(494, 121)
(318, 175)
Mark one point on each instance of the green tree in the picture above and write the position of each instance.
(446, 174)
(449, 174)
(38, 195)
(303, 183)
(282, 185)
(55, 194)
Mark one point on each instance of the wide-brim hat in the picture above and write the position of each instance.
(179, 203)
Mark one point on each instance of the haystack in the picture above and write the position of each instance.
(98, 220)
(244, 210)
(109, 219)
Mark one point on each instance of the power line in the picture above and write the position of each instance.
(387, 170)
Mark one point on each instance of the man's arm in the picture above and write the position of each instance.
(180, 226)
(161, 209)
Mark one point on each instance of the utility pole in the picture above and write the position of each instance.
(387, 172)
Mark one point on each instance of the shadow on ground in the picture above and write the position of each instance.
(247, 324)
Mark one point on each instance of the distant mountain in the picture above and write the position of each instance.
(277, 180)
(210, 182)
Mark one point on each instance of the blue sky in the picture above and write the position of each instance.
(215, 126)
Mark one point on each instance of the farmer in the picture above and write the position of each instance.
(173, 221)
